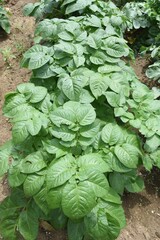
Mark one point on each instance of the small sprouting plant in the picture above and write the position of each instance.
(7, 55)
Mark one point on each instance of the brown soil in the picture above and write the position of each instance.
(143, 209)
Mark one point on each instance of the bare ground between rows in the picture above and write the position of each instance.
(143, 209)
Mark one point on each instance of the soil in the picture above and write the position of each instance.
(142, 209)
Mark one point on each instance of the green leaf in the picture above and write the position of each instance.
(75, 230)
(38, 94)
(12, 104)
(98, 85)
(90, 131)
(77, 200)
(54, 147)
(71, 88)
(128, 155)
(111, 134)
(152, 143)
(78, 5)
(97, 181)
(92, 161)
(117, 182)
(8, 226)
(5, 152)
(34, 125)
(33, 184)
(63, 133)
(54, 197)
(136, 186)
(38, 56)
(33, 163)
(85, 114)
(58, 219)
(115, 50)
(108, 68)
(15, 177)
(40, 199)
(19, 132)
(62, 116)
(28, 224)
(101, 225)
(117, 212)
(60, 171)
(113, 99)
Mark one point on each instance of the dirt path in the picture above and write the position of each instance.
(143, 209)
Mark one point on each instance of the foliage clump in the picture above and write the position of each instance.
(82, 126)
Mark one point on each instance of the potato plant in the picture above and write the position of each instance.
(4, 20)
(82, 126)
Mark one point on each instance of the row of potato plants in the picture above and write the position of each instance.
(82, 126)
(145, 19)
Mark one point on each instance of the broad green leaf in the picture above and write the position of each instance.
(128, 155)
(65, 48)
(40, 199)
(5, 152)
(33, 184)
(92, 161)
(62, 116)
(15, 177)
(58, 219)
(54, 197)
(117, 212)
(115, 50)
(155, 156)
(98, 85)
(34, 125)
(113, 99)
(152, 143)
(63, 133)
(86, 97)
(38, 56)
(85, 114)
(75, 230)
(101, 225)
(33, 163)
(111, 134)
(77, 200)
(8, 226)
(117, 182)
(12, 103)
(90, 131)
(66, 36)
(38, 94)
(54, 147)
(108, 68)
(71, 88)
(136, 186)
(25, 88)
(112, 196)
(19, 132)
(97, 181)
(60, 171)
(28, 224)
(78, 5)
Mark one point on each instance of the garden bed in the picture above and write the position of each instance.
(142, 209)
